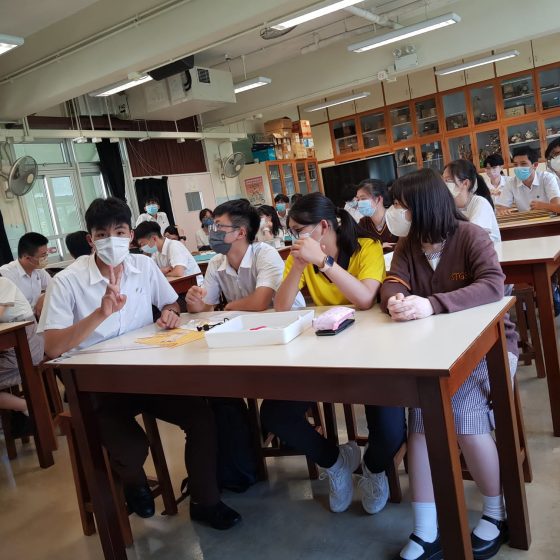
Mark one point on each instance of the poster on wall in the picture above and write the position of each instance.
(254, 187)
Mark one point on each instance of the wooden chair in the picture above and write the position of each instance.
(160, 486)
(526, 317)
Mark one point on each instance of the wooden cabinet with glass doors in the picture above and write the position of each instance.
(293, 176)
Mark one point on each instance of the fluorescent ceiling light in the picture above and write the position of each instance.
(9, 42)
(113, 140)
(333, 102)
(251, 84)
(80, 140)
(406, 32)
(475, 63)
(143, 139)
(121, 86)
(326, 8)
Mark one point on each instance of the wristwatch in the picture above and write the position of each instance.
(328, 262)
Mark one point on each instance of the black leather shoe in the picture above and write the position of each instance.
(21, 425)
(432, 551)
(483, 549)
(140, 501)
(219, 516)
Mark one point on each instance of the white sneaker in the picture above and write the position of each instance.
(340, 477)
(375, 490)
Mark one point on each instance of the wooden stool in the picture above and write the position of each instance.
(159, 486)
(271, 446)
(6, 416)
(527, 326)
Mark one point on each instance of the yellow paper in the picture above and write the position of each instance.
(171, 338)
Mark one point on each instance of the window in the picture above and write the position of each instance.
(92, 187)
(86, 153)
(43, 153)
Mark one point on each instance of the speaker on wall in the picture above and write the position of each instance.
(176, 67)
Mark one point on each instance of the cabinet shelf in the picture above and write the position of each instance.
(525, 142)
(424, 119)
(549, 89)
(347, 137)
(524, 96)
(375, 131)
(401, 124)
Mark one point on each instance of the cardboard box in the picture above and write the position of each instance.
(279, 125)
(303, 128)
(267, 154)
(299, 151)
(515, 111)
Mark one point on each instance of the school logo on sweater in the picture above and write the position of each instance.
(461, 276)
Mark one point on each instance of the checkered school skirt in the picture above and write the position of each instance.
(472, 409)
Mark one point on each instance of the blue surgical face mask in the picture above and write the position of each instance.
(149, 250)
(366, 208)
(523, 173)
(280, 207)
(207, 222)
(152, 209)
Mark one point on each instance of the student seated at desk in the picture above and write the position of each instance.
(171, 256)
(282, 205)
(270, 229)
(206, 217)
(339, 265)
(472, 196)
(494, 165)
(104, 296)
(174, 234)
(443, 264)
(77, 244)
(246, 272)
(153, 214)
(28, 271)
(529, 189)
(552, 155)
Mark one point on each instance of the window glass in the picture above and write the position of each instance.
(86, 153)
(52, 152)
(92, 187)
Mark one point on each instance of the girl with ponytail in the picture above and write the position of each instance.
(340, 265)
(472, 196)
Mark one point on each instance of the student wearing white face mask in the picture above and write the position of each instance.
(552, 155)
(270, 230)
(472, 196)
(371, 196)
(494, 165)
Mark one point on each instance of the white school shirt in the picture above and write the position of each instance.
(77, 290)
(161, 219)
(480, 212)
(16, 306)
(31, 285)
(544, 188)
(201, 238)
(261, 266)
(174, 253)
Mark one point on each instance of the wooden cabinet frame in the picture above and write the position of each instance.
(280, 163)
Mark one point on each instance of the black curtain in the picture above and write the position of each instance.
(146, 188)
(5, 251)
(111, 167)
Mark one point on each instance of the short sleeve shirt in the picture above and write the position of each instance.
(31, 285)
(480, 212)
(174, 253)
(544, 188)
(16, 306)
(161, 218)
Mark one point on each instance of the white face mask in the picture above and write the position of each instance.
(112, 250)
(453, 189)
(396, 221)
(555, 164)
(494, 171)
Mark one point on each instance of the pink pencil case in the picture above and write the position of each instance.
(332, 319)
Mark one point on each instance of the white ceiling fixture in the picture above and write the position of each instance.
(9, 42)
(405, 32)
(252, 83)
(121, 86)
(338, 101)
(304, 16)
(475, 63)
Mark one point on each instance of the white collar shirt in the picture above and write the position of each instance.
(174, 253)
(161, 218)
(77, 291)
(31, 285)
(16, 306)
(544, 188)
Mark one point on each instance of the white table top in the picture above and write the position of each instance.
(529, 222)
(373, 342)
(529, 250)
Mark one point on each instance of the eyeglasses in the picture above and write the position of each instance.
(221, 227)
(296, 233)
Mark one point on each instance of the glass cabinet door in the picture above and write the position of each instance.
(483, 101)
(526, 134)
(406, 160)
(275, 179)
(289, 181)
(460, 148)
(345, 137)
(432, 156)
(488, 143)
(552, 127)
(549, 83)
(455, 111)
(401, 123)
(374, 131)
(301, 177)
(313, 177)
(519, 96)
(426, 117)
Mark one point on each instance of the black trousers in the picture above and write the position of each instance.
(386, 426)
(127, 443)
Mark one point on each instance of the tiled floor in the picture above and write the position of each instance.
(285, 518)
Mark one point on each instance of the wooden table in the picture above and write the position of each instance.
(533, 262)
(527, 229)
(182, 284)
(13, 335)
(441, 351)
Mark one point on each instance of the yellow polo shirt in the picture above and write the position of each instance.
(368, 262)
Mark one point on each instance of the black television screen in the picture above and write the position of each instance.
(338, 178)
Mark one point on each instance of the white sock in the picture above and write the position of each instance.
(493, 507)
(425, 527)
(26, 412)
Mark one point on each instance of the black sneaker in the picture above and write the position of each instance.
(140, 501)
(483, 549)
(218, 516)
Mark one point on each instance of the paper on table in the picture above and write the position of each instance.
(171, 338)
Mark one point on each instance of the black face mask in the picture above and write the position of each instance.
(217, 243)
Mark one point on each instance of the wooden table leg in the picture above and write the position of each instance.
(443, 451)
(34, 389)
(507, 441)
(543, 290)
(91, 453)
